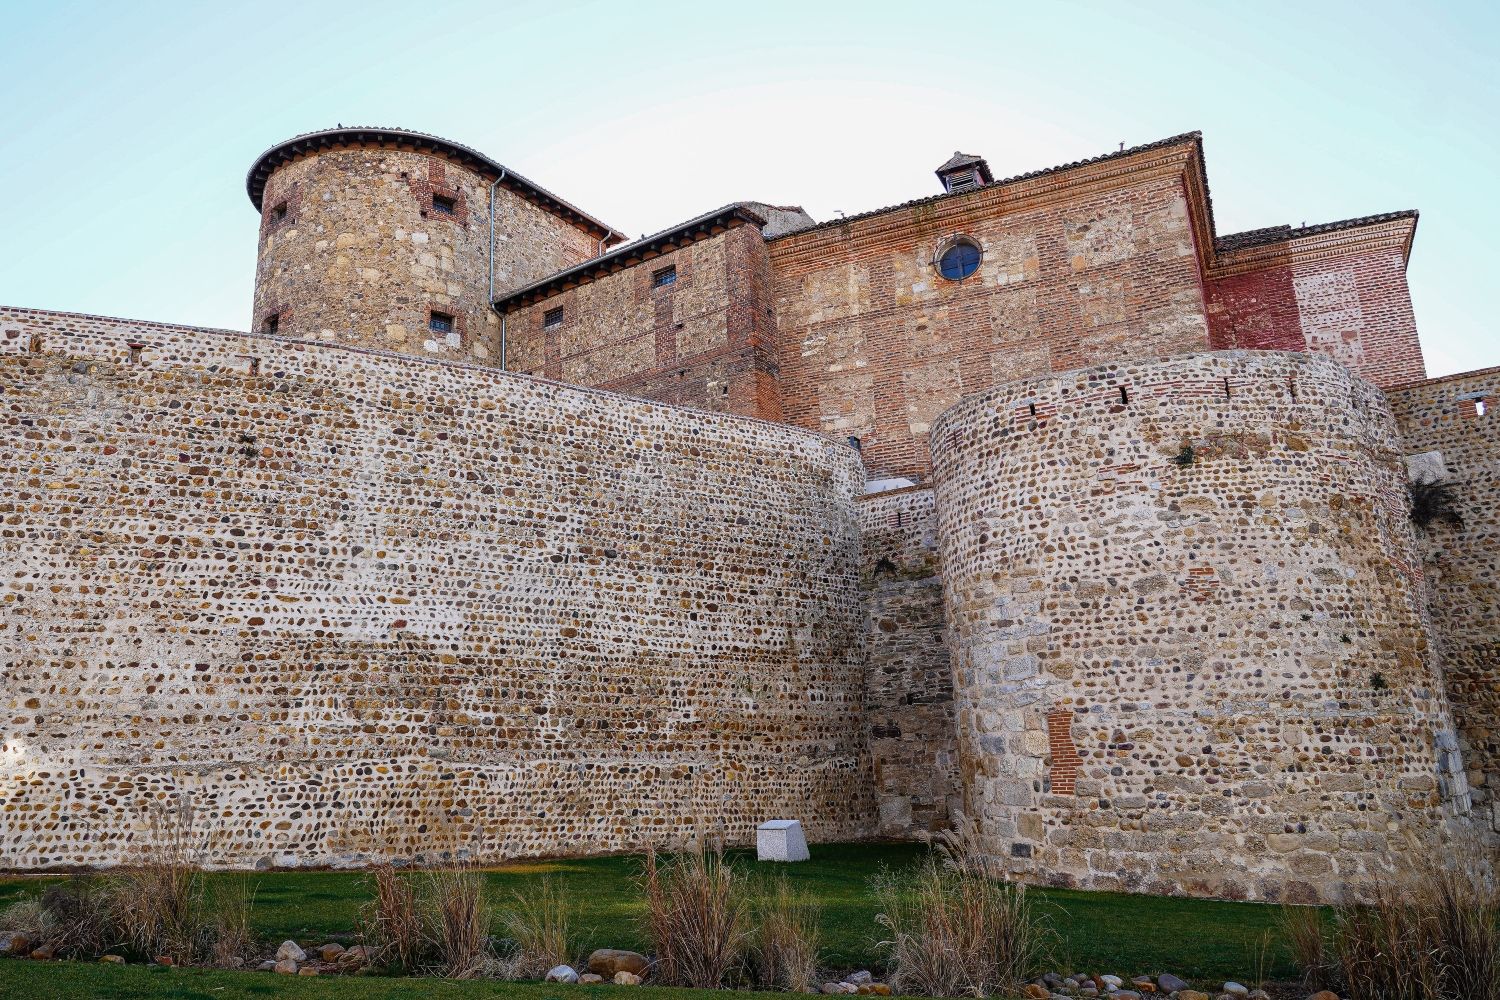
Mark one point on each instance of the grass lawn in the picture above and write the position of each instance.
(1106, 932)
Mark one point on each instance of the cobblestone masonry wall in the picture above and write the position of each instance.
(361, 257)
(1451, 427)
(705, 340)
(875, 344)
(908, 679)
(1206, 678)
(355, 604)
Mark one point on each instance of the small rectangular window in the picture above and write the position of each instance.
(440, 322)
(551, 318)
(443, 205)
(271, 323)
(666, 276)
(278, 214)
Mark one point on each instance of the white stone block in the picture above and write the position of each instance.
(780, 840)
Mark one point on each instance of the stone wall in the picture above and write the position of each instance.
(357, 605)
(908, 677)
(1079, 267)
(361, 257)
(705, 340)
(1190, 647)
(1451, 429)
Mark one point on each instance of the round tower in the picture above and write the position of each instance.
(1190, 651)
(381, 238)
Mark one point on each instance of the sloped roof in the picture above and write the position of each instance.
(1193, 137)
(1279, 234)
(266, 163)
(595, 266)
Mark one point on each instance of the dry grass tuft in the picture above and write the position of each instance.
(785, 941)
(81, 912)
(157, 903)
(955, 929)
(460, 932)
(233, 939)
(391, 923)
(696, 915)
(540, 926)
(1437, 940)
(1306, 934)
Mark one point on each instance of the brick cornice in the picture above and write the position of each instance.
(1386, 234)
(1003, 198)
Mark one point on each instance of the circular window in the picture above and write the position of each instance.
(959, 259)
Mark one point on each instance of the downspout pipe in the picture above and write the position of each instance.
(493, 186)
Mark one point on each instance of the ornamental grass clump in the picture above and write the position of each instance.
(459, 931)
(1437, 939)
(784, 944)
(696, 915)
(1306, 934)
(539, 923)
(157, 904)
(391, 923)
(956, 929)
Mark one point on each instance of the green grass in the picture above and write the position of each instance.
(1108, 932)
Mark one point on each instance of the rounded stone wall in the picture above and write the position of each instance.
(365, 234)
(351, 606)
(1190, 654)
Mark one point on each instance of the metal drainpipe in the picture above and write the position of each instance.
(492, 266)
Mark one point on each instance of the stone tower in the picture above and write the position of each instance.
(1190, 646)
(381, 238)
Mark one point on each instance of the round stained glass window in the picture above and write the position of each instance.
(960, 260)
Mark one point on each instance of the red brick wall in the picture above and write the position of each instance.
(1355, 308)
(875, 344)
(1256, 311)
(704, 340)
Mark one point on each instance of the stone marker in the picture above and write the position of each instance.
(780, 840)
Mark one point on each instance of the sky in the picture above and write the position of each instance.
(126, 129)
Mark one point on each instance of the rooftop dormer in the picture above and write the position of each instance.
(964, 172)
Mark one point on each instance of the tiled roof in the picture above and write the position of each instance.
(591, 268)
(958, 160)
(1279, 234)
(267, 162)
(1194, 137)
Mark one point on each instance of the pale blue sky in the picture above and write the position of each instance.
(126, 129)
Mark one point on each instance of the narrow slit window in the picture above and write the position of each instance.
(440, 322)
(271, 323)
(278, 214)
(444, 205)
(666, 276)
(552, 318)
(1124, 396)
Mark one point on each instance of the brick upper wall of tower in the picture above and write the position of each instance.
(1079, 267)
(1340, 292)
(704, 339)
(360, 245)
